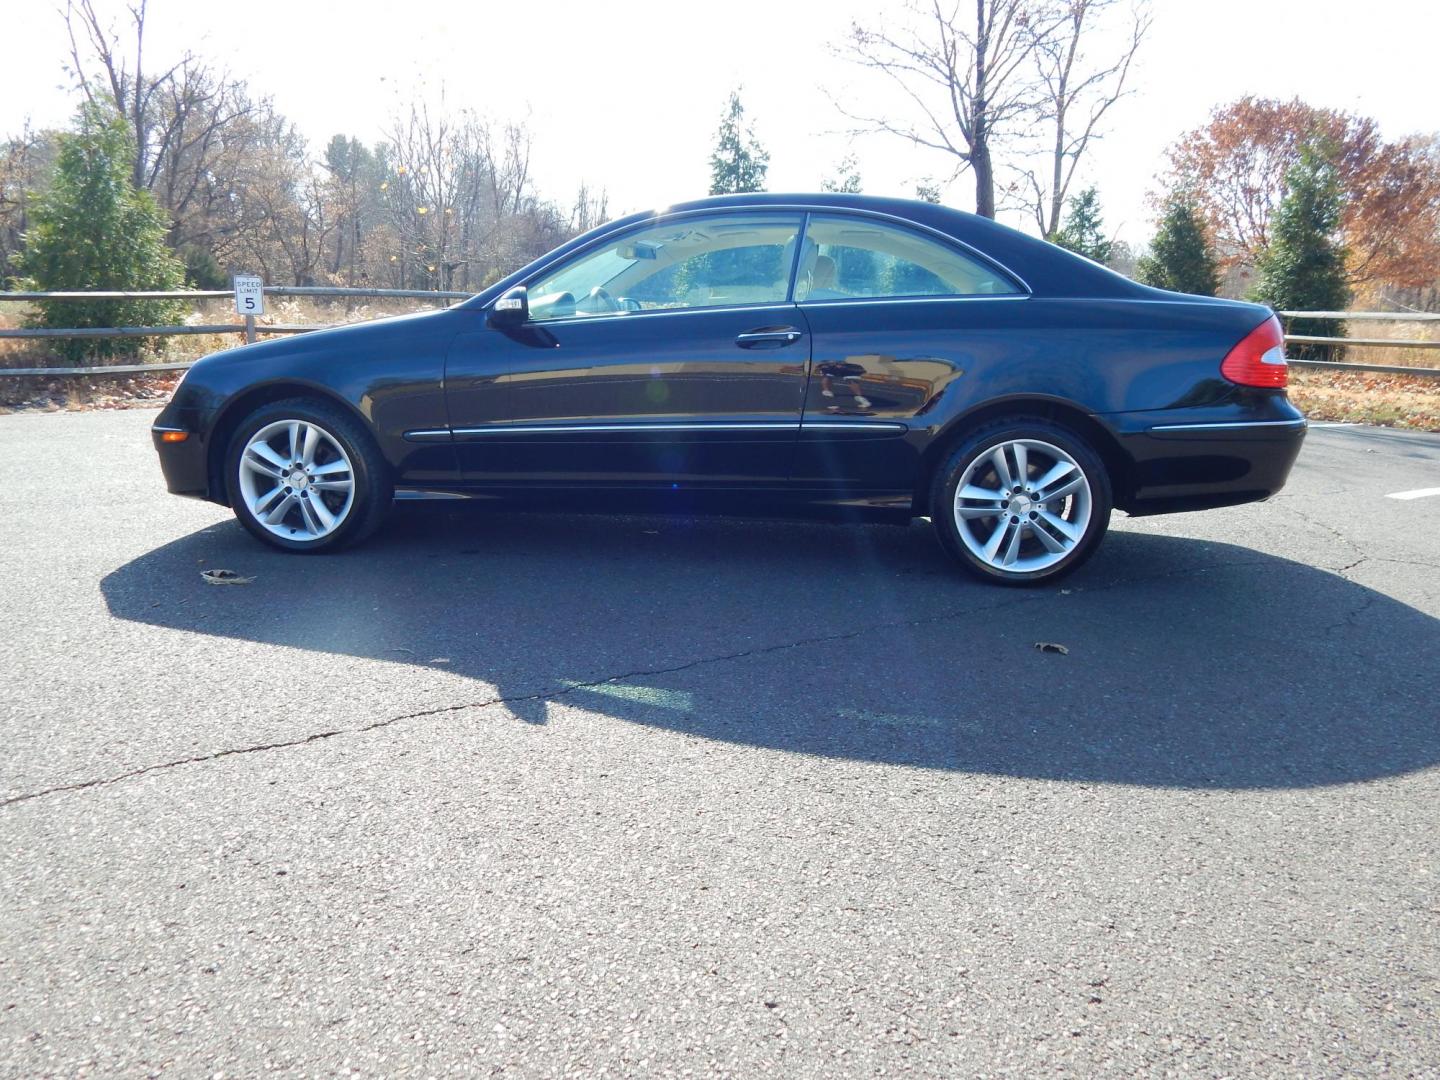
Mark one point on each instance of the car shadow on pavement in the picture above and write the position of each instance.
(1190, 663)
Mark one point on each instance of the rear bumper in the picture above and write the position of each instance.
(1197, 464)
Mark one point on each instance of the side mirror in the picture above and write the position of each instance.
(512, 309)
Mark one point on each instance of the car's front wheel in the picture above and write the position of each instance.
(305, 476)
(1021, 501)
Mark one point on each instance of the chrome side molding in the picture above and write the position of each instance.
(444, 435)
(1226, 425)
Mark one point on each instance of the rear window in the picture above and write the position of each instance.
(856, 258)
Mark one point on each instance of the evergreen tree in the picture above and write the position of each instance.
(354, 184)
(739, 163)
(846, 179)
(1180, 257)
(1303, 266)
(1083, 231)
(202, 269)
(93, 230)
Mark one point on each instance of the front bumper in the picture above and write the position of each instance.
(184, 464)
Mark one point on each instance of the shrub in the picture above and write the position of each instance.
(93, 230)
(1180, 257)
(1303, 268)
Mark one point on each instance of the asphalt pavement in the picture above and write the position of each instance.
(542, 796)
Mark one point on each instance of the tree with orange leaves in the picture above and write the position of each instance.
(1236, 166)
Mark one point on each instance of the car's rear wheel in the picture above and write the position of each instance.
(305, 476)
(1021, 501)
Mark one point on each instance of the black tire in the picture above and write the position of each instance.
(372, 491)
(982, 442)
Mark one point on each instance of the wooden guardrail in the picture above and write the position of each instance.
(226, 294)
(240, 328)
(435, 295)
(1385, 343)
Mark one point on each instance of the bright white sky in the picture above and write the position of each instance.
(627, 95)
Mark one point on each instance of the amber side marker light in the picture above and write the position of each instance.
(174, 436)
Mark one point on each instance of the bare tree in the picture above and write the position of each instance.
(1076, 93)
(196, 128)
(26, 161)
(124, 80)
(457, 196)
(505, 163)
(967, 68)
(445, 201)
(353, 178)
(280, 221)
(184, 119)
(590, 210)
(436, 192)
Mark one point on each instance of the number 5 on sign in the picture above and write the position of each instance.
(249, 295)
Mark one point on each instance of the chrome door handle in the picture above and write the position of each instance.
(770, 337)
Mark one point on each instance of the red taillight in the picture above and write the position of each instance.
(1259, 359)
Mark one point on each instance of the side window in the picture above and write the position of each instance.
(854, 258)
(721, 261)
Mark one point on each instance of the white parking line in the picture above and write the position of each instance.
(1418, 493)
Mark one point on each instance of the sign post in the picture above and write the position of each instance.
(249, 302)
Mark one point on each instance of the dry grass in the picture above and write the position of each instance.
(1403, 401)
(1393, 357)
(301, 311)
(304, 311)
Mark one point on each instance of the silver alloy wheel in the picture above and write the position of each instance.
(1022, 506)
(297, 480)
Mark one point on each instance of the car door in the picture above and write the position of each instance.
(896, 314)
(671, 354)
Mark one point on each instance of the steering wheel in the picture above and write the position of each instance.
(600, 300)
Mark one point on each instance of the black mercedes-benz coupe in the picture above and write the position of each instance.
(762, 354)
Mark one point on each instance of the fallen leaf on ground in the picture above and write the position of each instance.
(1050, 646)
(225, 577)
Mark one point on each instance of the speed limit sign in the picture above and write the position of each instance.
(249, 295)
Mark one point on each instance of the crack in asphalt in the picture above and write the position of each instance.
(1407, 562)
(538, 695)
(1332, 531)
(1351, 618)
(551, 693)
(1364, 556)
